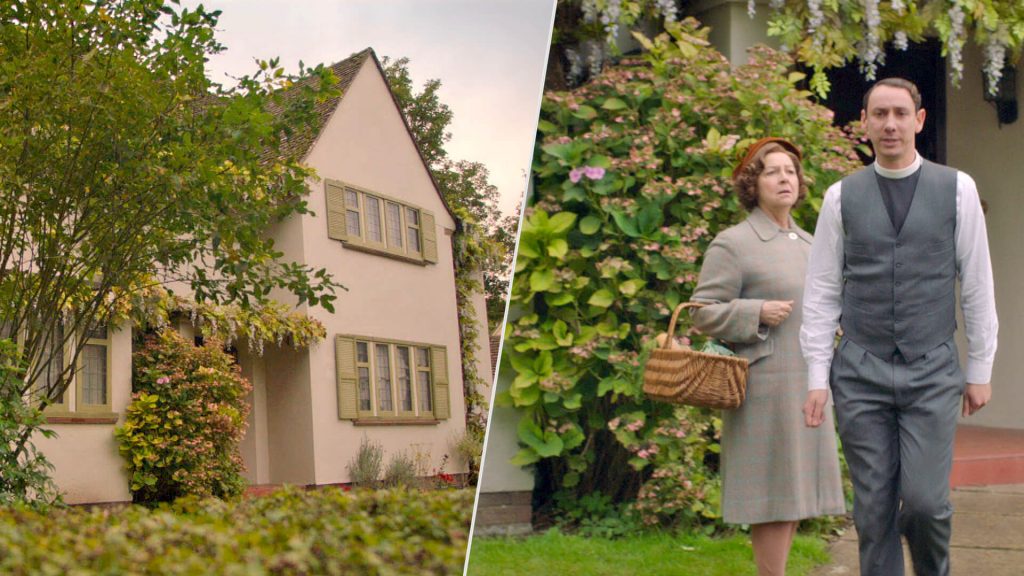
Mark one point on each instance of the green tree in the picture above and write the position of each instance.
(121, 163)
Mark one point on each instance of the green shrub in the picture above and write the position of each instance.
(289, 532)
(24, 471)
(365, 468)
(186, 419)
(400, 471)
(632, 181)
(468, 447)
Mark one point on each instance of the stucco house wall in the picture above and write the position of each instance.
(87, 466)
(366, 144)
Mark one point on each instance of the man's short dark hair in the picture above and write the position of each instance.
(907, 85)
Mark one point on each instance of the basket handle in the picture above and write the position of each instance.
(675, 315)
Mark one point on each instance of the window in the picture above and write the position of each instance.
(408, 380)
(373, 222)
(92, 378)
(89, 391)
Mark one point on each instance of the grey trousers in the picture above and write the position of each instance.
(897, 421)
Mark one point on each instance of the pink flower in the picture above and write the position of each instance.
(575, 174)
(643, 454)
(163, 380)
(593, 172)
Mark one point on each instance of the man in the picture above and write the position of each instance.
(890, 242)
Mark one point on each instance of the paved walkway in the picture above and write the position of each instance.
(988, 535)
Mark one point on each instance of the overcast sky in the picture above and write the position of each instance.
(489, 56)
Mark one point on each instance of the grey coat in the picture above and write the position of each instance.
(773, 467)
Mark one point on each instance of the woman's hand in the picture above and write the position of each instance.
(773, 312)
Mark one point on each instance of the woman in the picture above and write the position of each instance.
(775, 470)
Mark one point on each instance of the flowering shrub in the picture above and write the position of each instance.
(632, 178)
(289, 532)
(681, 490)
(819, 32)
(186, 419)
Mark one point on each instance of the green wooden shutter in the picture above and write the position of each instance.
(336, 222)
(429, 236)
(439, 375)
(345, 359)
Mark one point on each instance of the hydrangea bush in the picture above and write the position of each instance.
(632, 181)
(187, 416)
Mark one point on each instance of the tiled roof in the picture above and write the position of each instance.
(300, 143)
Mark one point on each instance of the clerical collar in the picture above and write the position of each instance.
(902, 172)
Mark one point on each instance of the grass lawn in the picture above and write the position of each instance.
(644, 555)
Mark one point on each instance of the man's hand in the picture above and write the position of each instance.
(814, 408)
(975, 397)
(773, 312)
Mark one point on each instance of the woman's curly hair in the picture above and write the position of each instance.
(745, 180)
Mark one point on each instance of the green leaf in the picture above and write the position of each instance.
(561, 222)
(546, 127)
(590, 224)
(560, 330)
(558, 298)
(626, 224)
(573, 401)
(585, 112)
(631, 287)
(560, 151)
(541, 280)
(558, 248)
(603, 298)
(546, 443)
(613, 104)
(525, 457)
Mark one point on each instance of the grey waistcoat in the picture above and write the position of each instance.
(898, 288)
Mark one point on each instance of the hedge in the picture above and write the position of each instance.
(289, 532)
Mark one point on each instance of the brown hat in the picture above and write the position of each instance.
(752, 151)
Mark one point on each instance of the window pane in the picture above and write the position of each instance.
(362, 354)
(94, 374)
(404, 379)
(412, 217)
(351, 199)
(364, 390)
(352, 223)
(383, 368)
(414, 239)
(373, 219)
(49, 379)
(423, 380)
(425, 390)
(394, 223)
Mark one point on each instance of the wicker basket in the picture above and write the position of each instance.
(685, 376)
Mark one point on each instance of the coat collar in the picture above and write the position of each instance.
(766, 228)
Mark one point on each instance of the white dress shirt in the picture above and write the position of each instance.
(823, 290)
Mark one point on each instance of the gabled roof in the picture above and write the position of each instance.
(301, 144)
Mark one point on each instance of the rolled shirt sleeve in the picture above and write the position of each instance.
(823, 291)
(977, 289)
